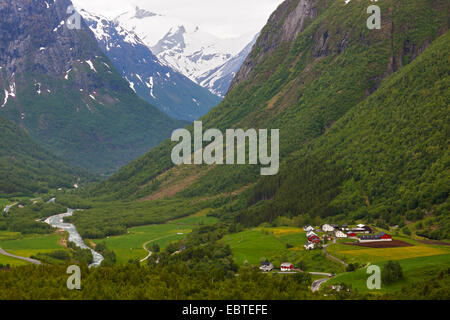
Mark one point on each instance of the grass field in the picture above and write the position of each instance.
(12, 262)
(26, 247)
(130, 245)
(270, 243)
(413, 269)
(375, 255)
(252, 245)
(3, 203)
(352, 254)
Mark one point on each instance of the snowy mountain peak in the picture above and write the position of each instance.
(157, 83)
(142, 13)
(187, 48)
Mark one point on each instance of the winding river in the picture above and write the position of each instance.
(57, 221)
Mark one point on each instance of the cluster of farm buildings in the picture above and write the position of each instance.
(365, 234)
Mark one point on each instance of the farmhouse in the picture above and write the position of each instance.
(314, 239)
(375, 238)
(266, 266)
(327, 228)
(310, 234)
(360, 228)
(287, 266)
(308, 228)
(340, 234)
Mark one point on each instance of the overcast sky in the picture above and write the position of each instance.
(223, 18)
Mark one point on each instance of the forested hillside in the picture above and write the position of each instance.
(387, 159)
(27, 168)
(313, 63)
(57, 84)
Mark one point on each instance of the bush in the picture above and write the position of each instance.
(392, 272)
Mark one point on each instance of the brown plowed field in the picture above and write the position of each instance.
(381, 244)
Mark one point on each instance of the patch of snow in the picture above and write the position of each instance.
(131, 84)
(67, 74)
(59, 25)
(91, 65)
(6, 98)
(9, 93)
(150, 85)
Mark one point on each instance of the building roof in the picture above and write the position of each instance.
(373, 236)
(286, 264)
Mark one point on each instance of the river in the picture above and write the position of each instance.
(57, 221)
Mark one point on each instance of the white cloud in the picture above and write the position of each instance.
(226, 19)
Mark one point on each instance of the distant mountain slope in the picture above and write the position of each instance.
(386, 160)
(160, 85)
(219, 80)
(57, 84)
(26, 167)
(312, 64)
(187, 48)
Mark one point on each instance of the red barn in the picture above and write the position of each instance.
(314, 239)
(386, 237)
(287, 266)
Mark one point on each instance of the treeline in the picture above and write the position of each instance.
(108, 219)
(27, 168)
(24, 219)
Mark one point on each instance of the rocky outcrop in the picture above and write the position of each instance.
(284, 25)
(34, 38)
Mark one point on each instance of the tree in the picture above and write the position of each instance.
(155, 247)
(392, 272)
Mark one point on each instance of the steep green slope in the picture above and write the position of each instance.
(26, 167)
(57, 84)
(313, 62)
(386, 160)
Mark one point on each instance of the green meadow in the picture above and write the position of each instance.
(12, 261)
(28, 246)
(130, 245)
(3, 203)
(413, 269)
(272, 244)
(252, 245)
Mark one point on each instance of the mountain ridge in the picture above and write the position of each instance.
(185, 47)
(167, 89)
(67, 94)
(296, 88)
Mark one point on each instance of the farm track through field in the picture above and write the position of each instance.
(144, 246)
(332, 257)
(3, 252)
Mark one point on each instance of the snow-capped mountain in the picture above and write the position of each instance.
(218, 80)
(167, 89)
(186, 48)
